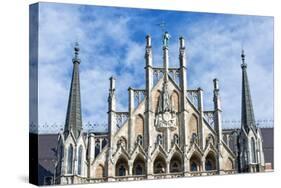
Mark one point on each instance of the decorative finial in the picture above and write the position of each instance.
(243, 56)
(243, 65)
(76, 53)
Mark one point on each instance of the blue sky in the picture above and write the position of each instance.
(112, 43)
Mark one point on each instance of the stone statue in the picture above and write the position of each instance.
(166, 38)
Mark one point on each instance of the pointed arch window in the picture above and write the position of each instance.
(208, 165)
(122, 170)
(80, 157)
(176, 139)
(194, 167)
(104, 142)
(139, 169)
(159, 139)
(97, 147)
(194, 138)
(69, 159)
(140, 140)
(253, 150)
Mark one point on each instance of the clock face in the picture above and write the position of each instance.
(166, 116)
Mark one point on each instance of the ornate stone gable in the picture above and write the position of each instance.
(166, 117)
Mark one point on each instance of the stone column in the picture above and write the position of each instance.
(201, 118)
(130, 172)
(166, 62)
(183, 85)
(218, 122)
(112, 126)
(168, 167)
(167, 140)
(148, 106)
(91, 153)
(131, 119)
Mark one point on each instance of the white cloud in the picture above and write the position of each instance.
(108, 48)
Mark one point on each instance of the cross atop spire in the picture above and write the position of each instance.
(162, 25)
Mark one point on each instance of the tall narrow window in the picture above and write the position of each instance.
(140, 140)
(193, 167)
(61, 152)
(122, 170)
(97, 147)
(208, 165)
(139, 170)
(104, 142)
(176, 139)
(80, 157)
(69, 159)
(159, 139)
(253, 147)
(194, 137)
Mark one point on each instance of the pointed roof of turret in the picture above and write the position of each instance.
(73, 122)
(247, 112)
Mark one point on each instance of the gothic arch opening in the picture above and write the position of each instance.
(122, 142)
(176, 163)
(253, 150)
(121, 167)
(100, 173)
(139, 166)
(97, 147)
(69, 159)
(80, 159)
(210, 162)
(210, 139)
(175, 100)
(195, 163)
(159, 165)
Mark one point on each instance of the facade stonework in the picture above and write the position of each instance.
(165, 133)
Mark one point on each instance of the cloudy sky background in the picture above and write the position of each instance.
(112, 43)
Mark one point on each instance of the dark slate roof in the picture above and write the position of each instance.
(47, 144)
(268, 144)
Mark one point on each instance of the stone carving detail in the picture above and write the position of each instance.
(121, 117)
(166, 117)
(192, 95)
(210, 118)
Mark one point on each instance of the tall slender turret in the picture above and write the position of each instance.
(166, 38)
(218, 122)
(247, 112)
(111, 110)
(73, 116)
(250, 150)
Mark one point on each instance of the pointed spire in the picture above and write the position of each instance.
(247, 112)
(73, 117)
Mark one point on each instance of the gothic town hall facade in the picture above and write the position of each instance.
(165, 133)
